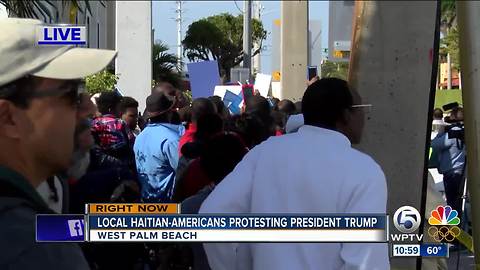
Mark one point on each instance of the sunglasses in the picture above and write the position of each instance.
(71, 91)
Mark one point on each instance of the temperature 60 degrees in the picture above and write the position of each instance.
(433, 250)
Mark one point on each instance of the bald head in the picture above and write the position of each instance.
(164, 87)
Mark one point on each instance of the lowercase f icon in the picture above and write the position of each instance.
(75, 227)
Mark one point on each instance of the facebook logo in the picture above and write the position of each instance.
(75, 227)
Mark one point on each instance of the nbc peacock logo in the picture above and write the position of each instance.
(444, 221)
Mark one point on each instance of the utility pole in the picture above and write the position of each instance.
(179, 21)
(257, 14)
(247, 36)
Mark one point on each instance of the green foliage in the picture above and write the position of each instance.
(449, 44)
(220, 38)
(165, 65)
(42, 10)
(448, 13)
(443, 97)
(334, 69)
(103, 81)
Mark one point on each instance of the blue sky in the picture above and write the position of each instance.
(163, 14)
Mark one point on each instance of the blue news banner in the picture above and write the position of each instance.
(214, 228)
(60, 228)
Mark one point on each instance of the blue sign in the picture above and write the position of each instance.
(60, 228)
(204, 76)
(62, 35)
(232, 102)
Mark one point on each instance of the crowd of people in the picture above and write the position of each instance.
(61, 149)
(449, 153)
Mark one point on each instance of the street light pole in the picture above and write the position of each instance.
(247, 36)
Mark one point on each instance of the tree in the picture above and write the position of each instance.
(334, 69)
(103, 81)
(165, 65)
(43, 10)
(448, 14)
(449, 43)
(220, 38)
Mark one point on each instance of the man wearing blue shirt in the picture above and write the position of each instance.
(156, 149)
(450, 149)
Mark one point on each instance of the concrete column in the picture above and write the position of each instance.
(468, 20)
(390, 67)
(133, 41)
(294, 49)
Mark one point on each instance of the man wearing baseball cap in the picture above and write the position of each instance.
(39, 94)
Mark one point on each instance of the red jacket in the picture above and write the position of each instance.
(188, 136)
(193, 181)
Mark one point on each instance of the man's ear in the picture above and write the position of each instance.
(9, 121)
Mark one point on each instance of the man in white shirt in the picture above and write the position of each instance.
(322, 174)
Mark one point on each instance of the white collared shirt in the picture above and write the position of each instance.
(312, 171)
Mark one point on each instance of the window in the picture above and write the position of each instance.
(98, 35)
(88, 31)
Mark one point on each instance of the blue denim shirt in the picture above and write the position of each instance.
(450, 153)
(156, 156)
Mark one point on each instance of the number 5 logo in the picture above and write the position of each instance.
(406, 219)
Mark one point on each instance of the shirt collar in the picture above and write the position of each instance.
(333, 135)
(19, 182)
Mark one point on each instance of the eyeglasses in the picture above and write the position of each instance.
(71, 91)
(366, 107)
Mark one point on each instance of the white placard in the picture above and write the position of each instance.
(262, 83)
(277, 90)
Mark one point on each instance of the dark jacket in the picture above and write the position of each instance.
(19, 203)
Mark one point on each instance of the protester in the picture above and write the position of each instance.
(223, 152)
(449, 152)
(275, 102)
(279, 121)
(298, 106)
(222, 110)
(437, 114)
(156, 149)
(260, 107)
(287, 106)
(56, 189)
(111, 132)
(185, 114)
(200, 107)
(324, 174)
(207, 126)
(181, 100)
(129, 114)
(249, 127)
(38, 104)
(164, 87)
(190, 177)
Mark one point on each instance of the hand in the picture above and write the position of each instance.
(314, 79)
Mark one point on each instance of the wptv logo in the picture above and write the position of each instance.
(442, 221)
(61, 34)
